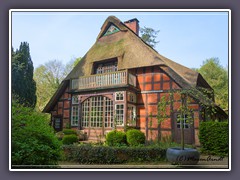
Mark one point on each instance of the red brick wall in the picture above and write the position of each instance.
(156, 80)
(154, 83)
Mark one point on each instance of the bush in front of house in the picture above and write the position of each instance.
(33, 140)
(59, 135)
(116, 138)
(90, 154)
(70, 139)
(213, 137)
(135, 137)
(69, 131)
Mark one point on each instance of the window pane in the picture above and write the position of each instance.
(75, 117)
(131, 119)
(106, 67)
(97, 113)
(119, 96)
(119, 114)
(132, 97)
(75, 99)
(185, 121)
(57, 123)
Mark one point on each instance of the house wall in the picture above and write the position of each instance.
(154, 83)
(63, 108)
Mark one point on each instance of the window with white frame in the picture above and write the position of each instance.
(119, 109)
(75, 99)
(85, 112)
(131, 118)
(75, 111)
(75, 116)
(119, 96)
(97, 111)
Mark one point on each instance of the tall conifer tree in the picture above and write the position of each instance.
(23, 85)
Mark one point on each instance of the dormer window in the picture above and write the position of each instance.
(105, 67)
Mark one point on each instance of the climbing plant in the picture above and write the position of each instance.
(204, 97)
(161, 112)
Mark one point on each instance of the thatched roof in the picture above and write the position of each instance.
(132, 52)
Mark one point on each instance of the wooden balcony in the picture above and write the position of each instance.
(118, 78)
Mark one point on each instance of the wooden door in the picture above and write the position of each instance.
(188, 129)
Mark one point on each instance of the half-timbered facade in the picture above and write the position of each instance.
(119, 82)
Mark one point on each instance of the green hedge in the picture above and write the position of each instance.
(213, 137)
(69, 131)
(116, 138)
(135, 137)
(70, 139)
(89, 154)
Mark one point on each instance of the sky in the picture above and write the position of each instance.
(187, 38)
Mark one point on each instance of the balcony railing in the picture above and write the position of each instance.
(104, 80)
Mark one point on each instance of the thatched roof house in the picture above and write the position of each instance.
(120, 41)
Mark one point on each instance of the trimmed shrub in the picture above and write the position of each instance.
(116, 138)
(213, 137)
(89, 154)
(135, 137)
(70, 139)
(69, 131)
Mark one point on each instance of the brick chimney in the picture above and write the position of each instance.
(133, 24)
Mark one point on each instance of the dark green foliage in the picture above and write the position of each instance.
(135, 137)
(116, 138)
(213, 137)
(69, 131)
(89, 154)
(33, 140)
(23, 84)
(149, 36)
(70, 139)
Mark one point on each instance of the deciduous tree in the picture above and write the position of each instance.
(149, 35)
(48, 78)
(217, 77)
